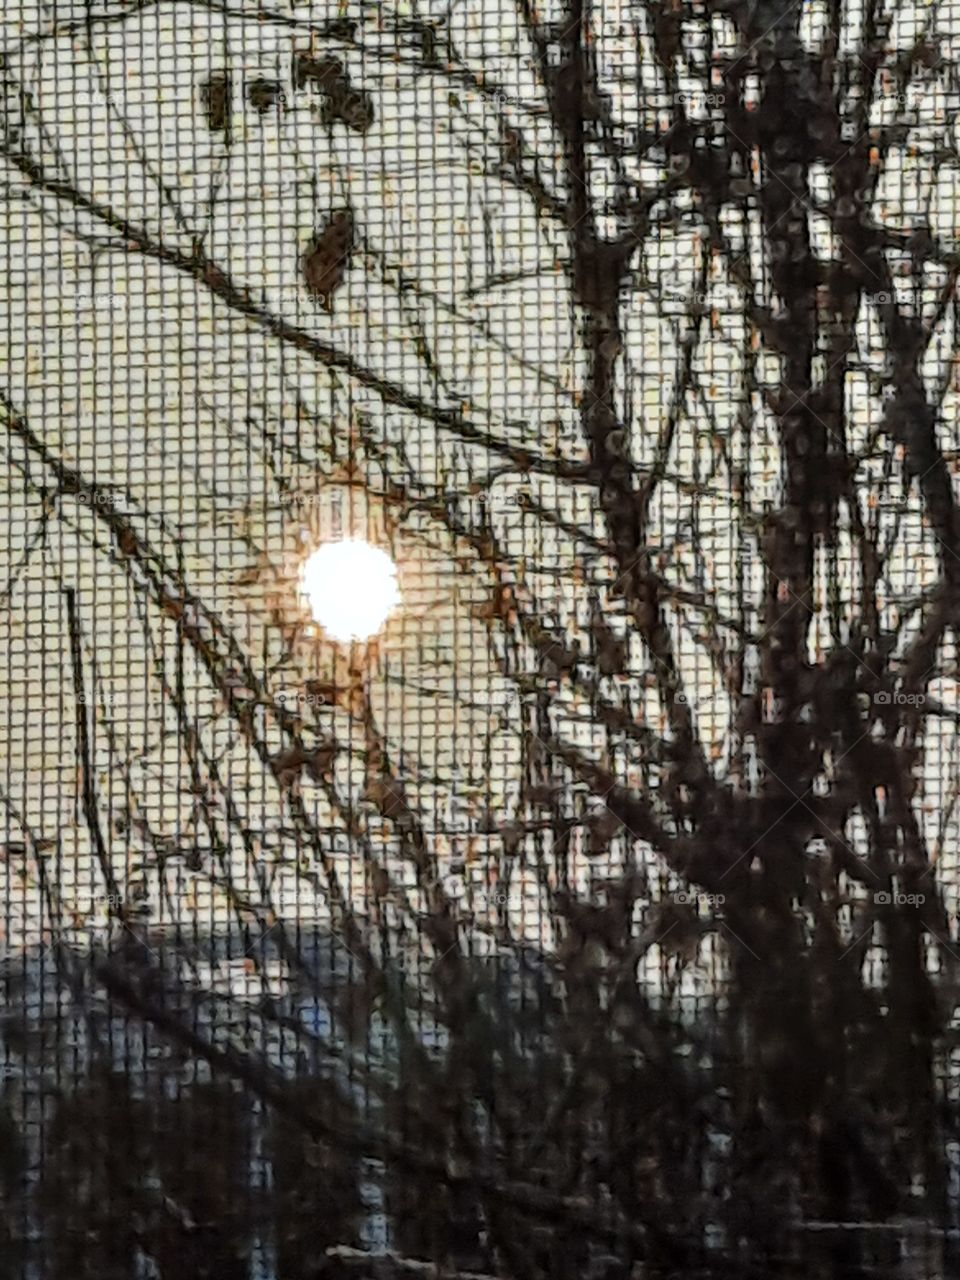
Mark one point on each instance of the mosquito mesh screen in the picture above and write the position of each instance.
(478, 608)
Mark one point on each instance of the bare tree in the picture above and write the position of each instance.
(597, 917)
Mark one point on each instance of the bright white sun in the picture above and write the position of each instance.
(351, 587)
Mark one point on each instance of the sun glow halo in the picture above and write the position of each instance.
(351, 588)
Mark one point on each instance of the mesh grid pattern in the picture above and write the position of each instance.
(597, 917)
